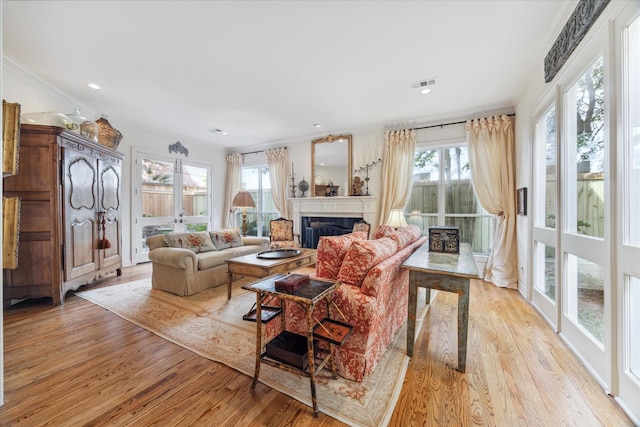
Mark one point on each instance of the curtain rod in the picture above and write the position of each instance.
(259, 151)
(452, 123)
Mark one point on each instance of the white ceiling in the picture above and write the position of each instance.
(266, 71)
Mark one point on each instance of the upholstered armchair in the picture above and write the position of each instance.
(282, 235)
(362, 226)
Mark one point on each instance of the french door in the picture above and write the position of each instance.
(628, 224)
(170, 195)
(586, 227)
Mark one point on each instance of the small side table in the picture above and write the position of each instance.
(445, 272)
(307, 296)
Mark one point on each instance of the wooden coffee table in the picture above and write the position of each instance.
(251, 265)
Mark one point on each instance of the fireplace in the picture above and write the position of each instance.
(331, 215)
(314, 227)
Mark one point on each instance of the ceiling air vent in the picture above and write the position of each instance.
(423, 83)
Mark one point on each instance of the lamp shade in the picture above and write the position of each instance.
(396, 219)
(243, 199)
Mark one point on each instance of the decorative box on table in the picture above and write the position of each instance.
(444, 239)
(291, 282)
(289, 348)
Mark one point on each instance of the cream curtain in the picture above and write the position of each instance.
(397, 170)
(277, 160)
(234, 184)
(492, 162)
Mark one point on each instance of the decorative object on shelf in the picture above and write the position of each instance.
(396, 219)
(293, 182)
(90, 130)
(244, 200)
(357, 186)
(303, 186)
(584, 15)
(177, 147)
(521, 201)
(444, 239)
(291, 282)
(107, 134)
(10, 138)
(86, 127)
(366, 179)
(49, 119)
(331, 190)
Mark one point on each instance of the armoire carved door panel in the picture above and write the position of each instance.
(110, 227)
(80, 205)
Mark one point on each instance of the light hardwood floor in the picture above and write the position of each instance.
(78, 364)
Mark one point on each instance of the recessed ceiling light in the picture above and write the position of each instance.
(220, 131)
(423, 85)
(316, 125)
(94, 86)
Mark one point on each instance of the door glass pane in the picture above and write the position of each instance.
(194, 191)
(154, 230)
(587, 216)
(632, 320)
(633, 147)
(157, 188)
(585, 296)
(546, 270)
(547, 130)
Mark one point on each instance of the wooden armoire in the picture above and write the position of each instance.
(70, 216)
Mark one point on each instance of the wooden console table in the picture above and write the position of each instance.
(444, 272)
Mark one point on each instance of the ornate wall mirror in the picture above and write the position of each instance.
(331, 166)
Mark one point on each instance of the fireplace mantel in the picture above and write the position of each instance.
(339, 206)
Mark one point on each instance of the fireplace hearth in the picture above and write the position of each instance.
(338, 214)
(314, 227)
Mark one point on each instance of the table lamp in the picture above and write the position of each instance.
(396, 219)
(244, 200)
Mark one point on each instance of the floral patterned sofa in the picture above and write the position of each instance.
(190, 262)
(373, 295)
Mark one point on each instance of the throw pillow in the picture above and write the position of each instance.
(362, 256)
(382, 231)
(198, 241)
(226, 238)
(331, 252)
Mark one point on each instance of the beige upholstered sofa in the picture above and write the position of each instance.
(187, 271)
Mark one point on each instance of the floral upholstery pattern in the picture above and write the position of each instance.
(226, 238)
(361, 256)
(382, 231)
(196, 241)
(282, 235)
(331, 252)
(375, 309)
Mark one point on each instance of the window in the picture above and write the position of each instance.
(255, 179)
(546, 132)
(586, 139)
(442, 194)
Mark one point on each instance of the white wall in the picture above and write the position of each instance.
(34, 95)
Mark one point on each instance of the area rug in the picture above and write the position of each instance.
(212, 326)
